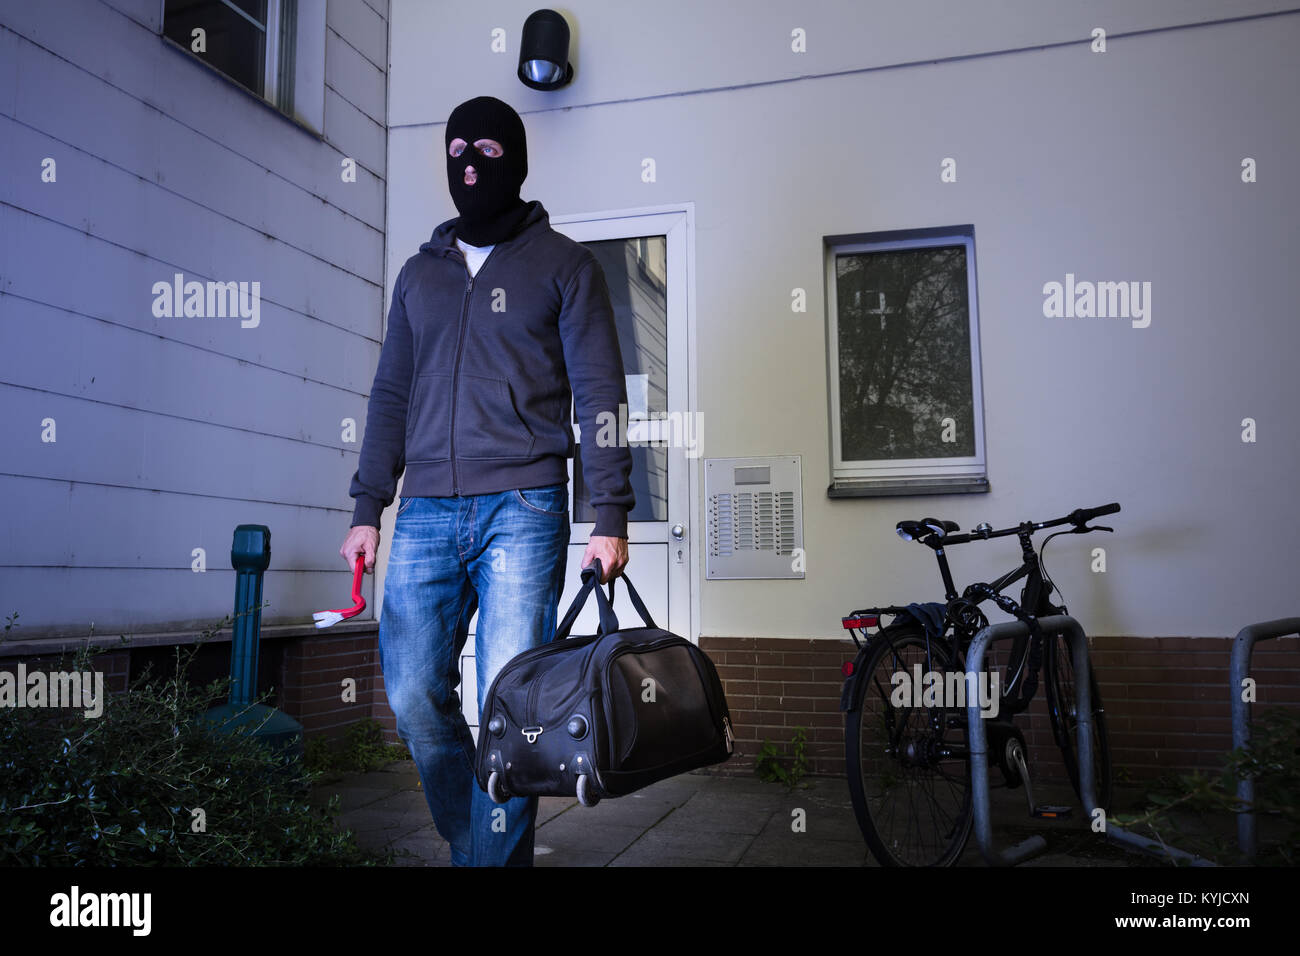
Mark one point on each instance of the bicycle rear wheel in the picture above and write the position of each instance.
(1062, 707)
(908, 766)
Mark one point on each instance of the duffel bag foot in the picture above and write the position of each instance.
(494, 788)
(586, 794)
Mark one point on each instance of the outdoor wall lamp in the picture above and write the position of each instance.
(544, 51)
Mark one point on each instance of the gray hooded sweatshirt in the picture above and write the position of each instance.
(472, 393)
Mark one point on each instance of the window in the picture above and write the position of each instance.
(263, 45)
(903, 342)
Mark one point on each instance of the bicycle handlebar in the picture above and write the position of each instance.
(1084, 515)
(1079, 517)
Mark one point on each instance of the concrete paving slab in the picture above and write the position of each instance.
(816, 824)
(634, 809)
(647, 859)
(698, 819)
(549, 807)
(801, 850)
(571, 831)
(401, 805)
(724, 798)
(569, 857)
(716, 819)
(424, 847)
(701, 846)
(352, 794)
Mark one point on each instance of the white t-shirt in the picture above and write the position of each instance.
(474, 255)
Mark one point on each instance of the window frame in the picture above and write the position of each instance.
(903, 476)
(306, 98)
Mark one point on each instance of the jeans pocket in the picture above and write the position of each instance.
(403, 504)
(552, 500)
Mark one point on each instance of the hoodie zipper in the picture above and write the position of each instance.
(460, 341)
(455, 378)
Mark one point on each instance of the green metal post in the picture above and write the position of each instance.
(250, 556)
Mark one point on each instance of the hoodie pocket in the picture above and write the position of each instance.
(428, 419)
(488, 424)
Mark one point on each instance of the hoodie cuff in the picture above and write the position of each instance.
(611, 521)
(367, 511)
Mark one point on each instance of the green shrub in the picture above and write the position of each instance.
(131, 787)
(1273, 760)
(770, 766)
(363, 749)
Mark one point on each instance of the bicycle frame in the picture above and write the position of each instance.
(1014, 699)
(938, 739)
(1034, 599)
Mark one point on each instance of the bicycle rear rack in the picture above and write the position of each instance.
(979, 758)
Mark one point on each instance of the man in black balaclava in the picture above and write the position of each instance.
(499, 325)
(485, 169)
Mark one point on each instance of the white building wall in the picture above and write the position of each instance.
(1123, 165)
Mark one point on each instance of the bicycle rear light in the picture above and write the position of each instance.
(866, 620)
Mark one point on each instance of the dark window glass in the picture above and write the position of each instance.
(234, 36)
(904, 354)
(636, 273)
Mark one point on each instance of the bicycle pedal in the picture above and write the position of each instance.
(1047, 811)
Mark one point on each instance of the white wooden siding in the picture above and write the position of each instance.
(172, 431)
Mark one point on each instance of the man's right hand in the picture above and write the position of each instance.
(361, 539)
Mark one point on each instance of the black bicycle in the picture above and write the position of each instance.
(904, 698)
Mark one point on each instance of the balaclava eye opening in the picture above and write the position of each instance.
(491, 209)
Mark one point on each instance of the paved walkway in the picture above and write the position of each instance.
(696, 819)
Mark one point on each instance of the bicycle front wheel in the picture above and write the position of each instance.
(1062, 707)
(908, 766)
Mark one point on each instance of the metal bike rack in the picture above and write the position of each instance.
(1242, 647)
(978, 741)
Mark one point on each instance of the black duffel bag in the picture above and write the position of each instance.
(604, 715)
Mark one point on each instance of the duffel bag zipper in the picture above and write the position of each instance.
(709, 675)
(529, 712)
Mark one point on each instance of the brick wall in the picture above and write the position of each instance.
(114, 665)
(774, 685)
(314, 671)
(1166, 698)
(304, 673)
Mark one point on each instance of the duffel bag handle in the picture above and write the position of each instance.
(590, 581)
(636, 599)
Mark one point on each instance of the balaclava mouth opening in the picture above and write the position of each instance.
(490, 210)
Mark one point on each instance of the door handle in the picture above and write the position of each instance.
(678, 532)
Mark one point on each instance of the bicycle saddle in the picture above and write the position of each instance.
(916, 530)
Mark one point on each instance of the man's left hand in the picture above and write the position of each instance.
(612, 553)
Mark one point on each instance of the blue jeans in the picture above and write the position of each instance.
(505, 555)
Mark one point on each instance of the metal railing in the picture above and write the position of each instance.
(978, 740)
(1242, 648)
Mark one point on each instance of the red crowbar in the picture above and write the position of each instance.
(328, 618)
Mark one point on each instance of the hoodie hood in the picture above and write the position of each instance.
(443, 240)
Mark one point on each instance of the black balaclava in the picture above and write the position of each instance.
(490, 210)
